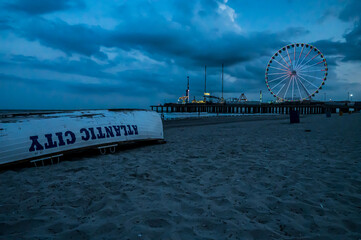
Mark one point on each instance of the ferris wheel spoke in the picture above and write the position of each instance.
(314, 56)
(276, 79)
(308, 81)
(298, 89)
(305, 67)
(311, 59)
(279, 84)
(284, 70)
(300, 71)
(294, 55)
(289, 82)
(277, 73)
(304, 88)
(284, 79)
(293, 86)
(306, 56)
(288, 56)
(306, 75)
(299, 57)
(281, 64)
(284, 60)
(280, 89)
(297, 67)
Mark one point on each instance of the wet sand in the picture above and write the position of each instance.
(214, 179)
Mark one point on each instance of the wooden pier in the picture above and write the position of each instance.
(254, 107)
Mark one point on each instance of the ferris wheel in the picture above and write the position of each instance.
(296, 72)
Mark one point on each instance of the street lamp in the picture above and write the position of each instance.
(351, 96)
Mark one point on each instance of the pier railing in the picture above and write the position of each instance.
(249, 108)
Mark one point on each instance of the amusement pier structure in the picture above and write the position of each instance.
(294, 75)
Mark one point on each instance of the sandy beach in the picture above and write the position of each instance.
(256, 177)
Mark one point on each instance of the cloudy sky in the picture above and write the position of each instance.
(75, 54)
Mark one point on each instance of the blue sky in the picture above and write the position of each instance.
(75, 54)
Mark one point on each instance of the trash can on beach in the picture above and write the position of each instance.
(294, 116)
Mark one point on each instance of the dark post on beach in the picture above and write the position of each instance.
(294, 116)
(328, 113)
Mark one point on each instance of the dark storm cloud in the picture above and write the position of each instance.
(5, 24)
(83, 66)
(143, 85)
(229, 49)
(163, 44)
(294, 32)
(135, 81)
(249, 70)
(350, 49)
(333, 60)
(352, 11)
(331, 12)
(195, 45)
(26, 81)
(145, 29)
(35, 7)
(256, 71)
(78, 38)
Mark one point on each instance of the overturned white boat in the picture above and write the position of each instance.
(31, 136)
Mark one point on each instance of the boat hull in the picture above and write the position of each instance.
(32, 136)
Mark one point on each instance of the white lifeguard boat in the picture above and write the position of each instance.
(31, 136)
